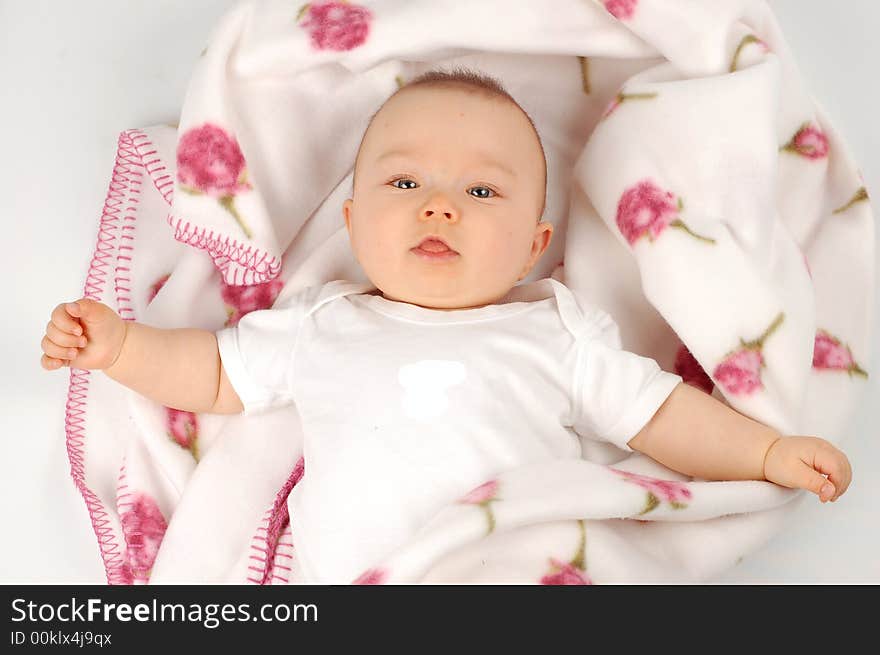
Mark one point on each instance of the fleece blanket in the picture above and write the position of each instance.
(700, 195)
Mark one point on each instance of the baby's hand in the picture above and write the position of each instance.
(82, 334)
(799, 462)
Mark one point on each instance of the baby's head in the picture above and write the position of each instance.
(449, 155)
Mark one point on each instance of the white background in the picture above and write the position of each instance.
(75, 74)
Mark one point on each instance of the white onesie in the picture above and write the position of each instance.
(405, 409)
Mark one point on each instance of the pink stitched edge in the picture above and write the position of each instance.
(266, 549)
(255, 265)
(123, 505)
(283, 557)
(124, 190)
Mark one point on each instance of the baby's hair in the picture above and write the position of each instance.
(470, 81)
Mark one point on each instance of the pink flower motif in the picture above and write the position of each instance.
(830, 353)
(209, 160)
(621, 9)
(336, 25)
(809, 141)
(183, 428)
(645, 208)
(372, 576)
(567, 574)
(242, 299)
(690, 370)
(143, 527)
(156, 287)
(481, 494)
(741, 371)
(669, 491)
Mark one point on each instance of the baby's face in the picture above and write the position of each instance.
(459, 166)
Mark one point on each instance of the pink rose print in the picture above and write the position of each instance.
(183, 428)
(483, 495)
(566, 575)
(749, 38)
(621, 9)
(646, 210)
(573, 572)
(830, 354)
(156, 287)
(690, 370)
(143, 527)
(210, 162)
(242, 299)
(372, 576)
(670, 491)
(809, 142)
(860, 195)
(740, 371)
(336, 25)
(622, 97)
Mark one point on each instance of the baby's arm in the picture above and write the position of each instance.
(178, 368)
(694, 433)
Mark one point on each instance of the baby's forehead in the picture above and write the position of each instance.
(390, 121)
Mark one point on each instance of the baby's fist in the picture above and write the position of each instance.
(82, 334)
(800, 462)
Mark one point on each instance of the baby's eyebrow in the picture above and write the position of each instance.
(484, 160)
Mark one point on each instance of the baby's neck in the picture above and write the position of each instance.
(377, 292)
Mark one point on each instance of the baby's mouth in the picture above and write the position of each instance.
(434, 245)
(434, 250)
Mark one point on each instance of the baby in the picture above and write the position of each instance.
(444, 371)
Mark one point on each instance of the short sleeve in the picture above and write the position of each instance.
(257, 354)
(616, 392)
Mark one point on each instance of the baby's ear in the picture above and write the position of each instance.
(543, 234)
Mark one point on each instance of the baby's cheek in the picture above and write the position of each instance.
(505, 250)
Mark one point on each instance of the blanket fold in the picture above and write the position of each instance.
(699, 195)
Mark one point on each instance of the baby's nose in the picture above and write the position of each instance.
(439, 208)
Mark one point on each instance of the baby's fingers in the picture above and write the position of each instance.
(57, 351)
(64, 320)
(57, 336)
(833, 463)
(50, 363)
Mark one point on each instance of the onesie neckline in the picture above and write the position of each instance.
(519, 299)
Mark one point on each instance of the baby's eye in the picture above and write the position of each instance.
(485, 188)
(400, 179)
